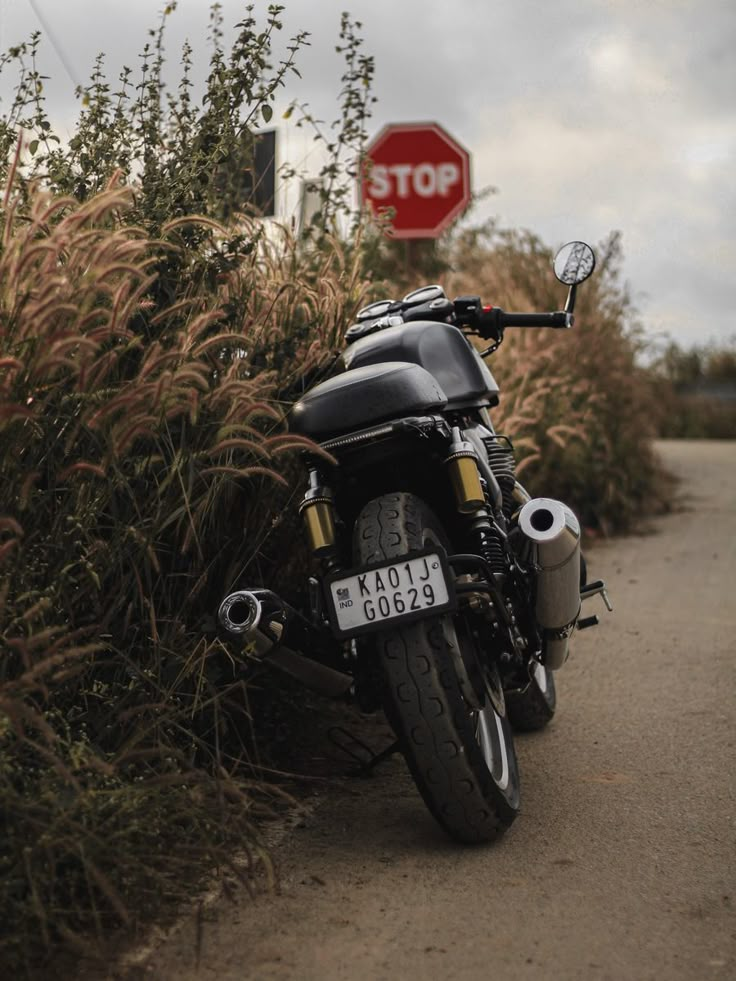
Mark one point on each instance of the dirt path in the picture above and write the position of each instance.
(621, 865)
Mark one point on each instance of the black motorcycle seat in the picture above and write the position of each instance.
(363, 396)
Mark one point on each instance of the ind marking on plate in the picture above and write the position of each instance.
(406, 587)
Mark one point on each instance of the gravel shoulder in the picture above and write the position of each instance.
(622, 863)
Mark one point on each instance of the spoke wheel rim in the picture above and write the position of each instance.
(493, 735)
(490, 724)
(540, 675)
(492, 741)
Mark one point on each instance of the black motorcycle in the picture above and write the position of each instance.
(444, 593)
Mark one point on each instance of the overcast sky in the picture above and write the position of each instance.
(586, 115)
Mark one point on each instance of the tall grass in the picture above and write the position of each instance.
(151, 339)
(143, 454)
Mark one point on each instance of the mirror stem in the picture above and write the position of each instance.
(570, 304)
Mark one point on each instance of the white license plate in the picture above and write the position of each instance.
(410, 588)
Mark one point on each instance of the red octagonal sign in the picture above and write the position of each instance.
(421, 173)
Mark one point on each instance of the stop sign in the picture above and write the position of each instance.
(421, 173)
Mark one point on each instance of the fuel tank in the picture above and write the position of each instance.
(441, 349)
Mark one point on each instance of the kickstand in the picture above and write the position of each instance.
(358, 751)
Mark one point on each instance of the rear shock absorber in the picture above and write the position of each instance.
(318, 513)
(502, 463)
(492, 549)
(462, 465)
(489, 544)
(472, 497)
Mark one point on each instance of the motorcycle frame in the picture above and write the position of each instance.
(418, 448)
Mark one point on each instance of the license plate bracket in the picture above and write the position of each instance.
(388, 593)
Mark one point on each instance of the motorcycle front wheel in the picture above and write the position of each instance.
(455, 738)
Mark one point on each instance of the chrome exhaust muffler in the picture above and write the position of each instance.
(267, 628)
(257, 617)
(552, 543)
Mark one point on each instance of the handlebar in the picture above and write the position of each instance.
(464, 311)
(496, 317)
(490, 322)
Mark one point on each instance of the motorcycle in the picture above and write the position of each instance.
(443, 592)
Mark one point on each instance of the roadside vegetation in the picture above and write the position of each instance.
(149, 347)
(696, 391)
(153, 334)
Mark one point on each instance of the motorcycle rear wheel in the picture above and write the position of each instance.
(460, 754)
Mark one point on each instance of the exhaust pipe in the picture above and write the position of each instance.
(256, 617)
(267, 628)
(552, 537)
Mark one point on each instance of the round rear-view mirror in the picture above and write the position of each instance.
(574, 263)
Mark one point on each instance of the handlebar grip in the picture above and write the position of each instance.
(492, 321)
(557, 319)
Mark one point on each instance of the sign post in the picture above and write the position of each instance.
(419, 173)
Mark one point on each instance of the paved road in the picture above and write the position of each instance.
(621, 865)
